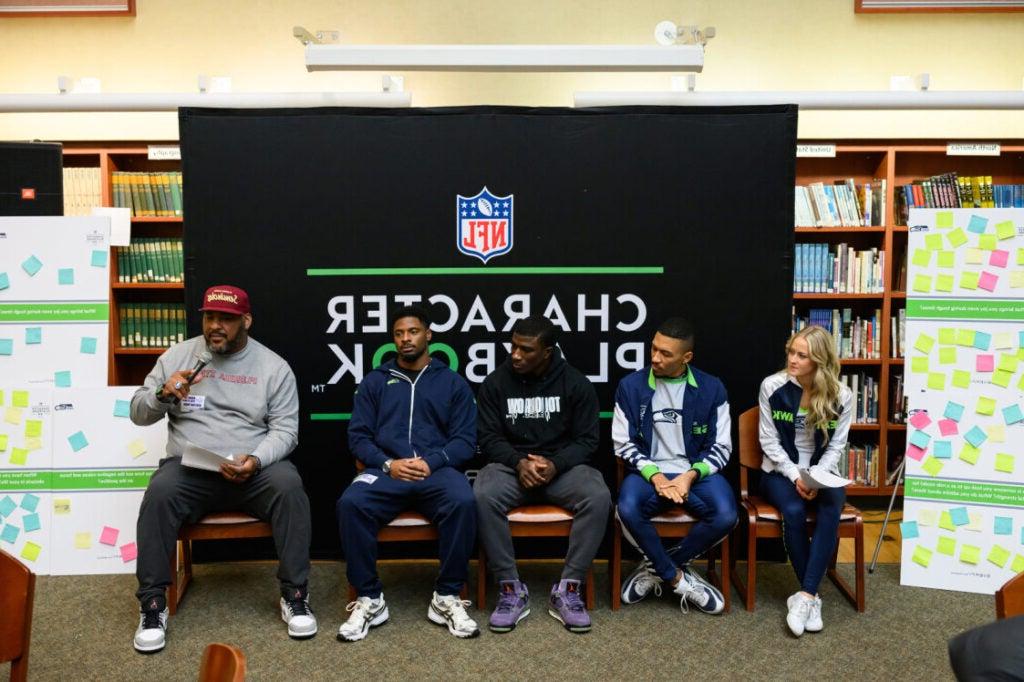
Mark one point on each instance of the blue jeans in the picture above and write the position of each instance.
(711, 501)
(810, 557)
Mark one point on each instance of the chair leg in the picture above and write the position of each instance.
(749, 592)
(481, 579)
(858, 563)
(588, 590)
(615, 566)
(726, 587)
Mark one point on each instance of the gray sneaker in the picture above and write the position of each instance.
(151, 635)
(513, 606)
(566, 606)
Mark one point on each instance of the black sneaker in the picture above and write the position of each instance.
(151, 635)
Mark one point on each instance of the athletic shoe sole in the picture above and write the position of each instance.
(150, 649)
(439, 619)
(501, 629)
(578, 629)
(377, 620)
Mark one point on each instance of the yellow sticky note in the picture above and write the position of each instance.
(1020, 256)
(969, 554)
(996, 433)
(1008, 362)
(19, 398)
(19, 456)
(947, 259)
(923, 257)
(933, 242)
(33, 444)
(1003, 340)
(1004, 462)
(944, 220)
(946, 545)
(969, 453)
(974, 256)
(998, 555)
(969, 280)
(1001, 378)
(986, 405)
(33, 428)
(937, 381)
(1017, 279)
(83, 540)
(924, 343)
(1018, 564)
(956, 237)
(3, 442)
(946, 521)
(31, 551)
(136, 448)
(919, 364)
(987, 242)
(1005, 229)
(926, 517)
(944, 283)
(922, 556)
(947, 356)
(965, 337)
(62, 506)
(922, 283)
(12, 415)
(947, 335)
(961, 378)
(931, 465)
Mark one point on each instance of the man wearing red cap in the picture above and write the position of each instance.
(228, 393)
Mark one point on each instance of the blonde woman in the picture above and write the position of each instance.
(805, 420)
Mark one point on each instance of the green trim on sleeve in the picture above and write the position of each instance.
(702, 468)
(649, 471)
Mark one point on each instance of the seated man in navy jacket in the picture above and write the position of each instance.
(413, 425)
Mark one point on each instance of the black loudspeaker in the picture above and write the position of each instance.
(31, 179)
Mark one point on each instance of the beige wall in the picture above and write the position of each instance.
(761, 45)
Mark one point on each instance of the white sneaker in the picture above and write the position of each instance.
(799, 611)
(640, 583)
(366, 613)
(451, 611)
(151, 635)
(298, 615)
(814, 622)
(701, 593)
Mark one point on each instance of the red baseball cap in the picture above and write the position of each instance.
(225, 298)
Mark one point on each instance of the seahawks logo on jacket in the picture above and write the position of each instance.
(537, 407)
(669, 415)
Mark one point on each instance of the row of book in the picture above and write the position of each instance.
(844, 203)
(151, 325)
(838, 269)
(865, 396)
(859, 463)
(151, 259)
(949, 190)
(81, 190)
(855, 337)
(148, 194)
(898, 339)
(899, 403)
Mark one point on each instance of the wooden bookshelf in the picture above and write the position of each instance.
(129, 366)
(898, 162)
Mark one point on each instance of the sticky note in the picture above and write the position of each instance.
(1002, 340)
(1012, 414)
(7, 505)
(945, 522)
(19, 398)
(936, 381)
(919, 364)
(932, 466)
(944, 220)
(953, 411)
(108, 536)
(985, 406)
(914, 452)
(31, 551)
(982, 340)
(88, 345)
(77, 440)
(946, 545)
(19, 456)
(922, 283)
(908, 529)
(977, 224)
(62, 506)
(33, 335)
(999, 258)
(961, 378)
(987, 242)
(6, 346)
(984, 363)
(932, 242)
(965, 337)
(136, 448)
(31, 522)
(62, 379)
(5, 281)
(66, 276)
(924, 343)
(12, 415)
(128, 552)
(1002, 525)
(83, 540)
(958, 515)
(988, 281)
(29, 502)
(1020, 256)
(1017, 279)
(1008, 362)
(922, 556)
(974, 256)
(3, 442)
(969, 280)
(975, 524)
(31, 265)
(996, 433)
(10, 533)
(947, 335)
(976, 436)
(1001, 378)
(1005, 229)
(1018, 564)
(1004, 463)
(920, 439)
(920, 420)
(942, 449)
(926, 517)
(33, 428)
(946, 259)
(33, 444)
(122, 408)
(998, 555)
(923, 257)
(944, 283)
(956, 237)
(969, 453)
(99, 259)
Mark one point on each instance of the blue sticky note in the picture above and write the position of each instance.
(977, 224)
(908, 529)
(29, 502)
(4, 280)
(1012, 414)
(942, 449)
(10, 533)
(1003, 525)
(62, 379)
(1022, 535)
(31, 265)
(88, 345)
(1020, 339)
(976, 436)
(958, 515)
(31, 522)
(33, 335)
(7, 506)
(982, 340)
(77, 441)
(953, 411)
(920, 439)
(122, 408)
(99, 259)
(66, 276)
(6, 346)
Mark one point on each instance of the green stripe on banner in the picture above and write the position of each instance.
(101, 479)
(606, 415)
(536, 270)
(54, 312)
(952, 309)
(11, 481)
(968, 492)
(345, 416)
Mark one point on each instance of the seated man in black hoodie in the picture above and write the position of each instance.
(537, 425)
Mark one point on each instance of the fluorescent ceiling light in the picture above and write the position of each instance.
(171, 101)
(857, 100)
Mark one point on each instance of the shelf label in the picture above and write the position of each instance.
(822, 151)
(973, 149)
(164, 153)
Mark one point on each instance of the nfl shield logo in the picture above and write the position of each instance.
(484, 225)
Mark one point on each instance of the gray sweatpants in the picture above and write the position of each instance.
(178, 494)
(580, 490)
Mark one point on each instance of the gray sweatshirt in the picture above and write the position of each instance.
(246, 402)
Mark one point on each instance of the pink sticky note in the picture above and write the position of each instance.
(999, 258)
(920, 420)
(988, 281)
(915, 453)
(948, 427)
(129, 552)
(985, 363)
(109, 536)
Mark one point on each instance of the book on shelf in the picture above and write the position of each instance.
(843, 203)
(865, 396)
(898, 404)
(898, 323)
(148, 194)
(151, 259)
(82, 190)
(151, 325)
(858, 463)
(855, 337)
(894, 470)
(837, 269)
(948, 190)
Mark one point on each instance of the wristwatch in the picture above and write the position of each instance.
(386, 466)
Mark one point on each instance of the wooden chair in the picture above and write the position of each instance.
(218, 526)
(765, 521)
(533, 521)
(674, 523)
(1010, 598)
(222, 663)
(17, 592)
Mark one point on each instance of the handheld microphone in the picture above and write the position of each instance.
(202, 360)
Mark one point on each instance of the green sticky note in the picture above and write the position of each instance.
(19, 398)
(946, 545)
(1007, 362)
(944, 283)
(33, 428)
(1001, 378)
(969, 280)
(1020, 256)
(1018, 564)
(922, 556)
(3, 442)
(956, 237)
(970, 454)
(937, 381)
(924, 343)
(99, 259)
(987, 242)
(62, 379)
(965, 337)
(66, 276)
(933, 242)
(961, 378)
(1004, 462)
(947, 259)
(947, 335)
(931, 465)
(919, 364)
(947, 356)
(985, 406)
(1005, 229)
(19, 456)
(969, 554)
(944, 220)
(946, 521)
(30, 551)
(923, 257)
(923, 283)
(998, 555)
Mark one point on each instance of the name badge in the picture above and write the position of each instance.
(194, 402)
(365, 478)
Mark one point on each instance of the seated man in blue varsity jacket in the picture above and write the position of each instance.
(672, 429)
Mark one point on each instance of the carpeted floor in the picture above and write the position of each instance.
(83, 628)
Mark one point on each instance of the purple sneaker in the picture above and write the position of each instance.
(513, 606)
(566, 606)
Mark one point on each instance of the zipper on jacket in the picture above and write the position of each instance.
(412, 394)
